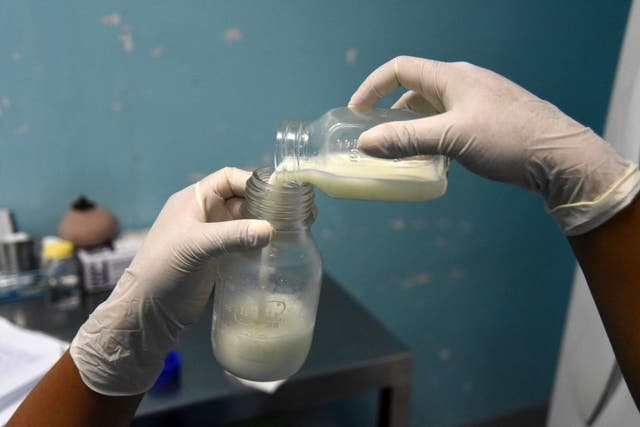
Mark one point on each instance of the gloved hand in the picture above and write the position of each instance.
(500, 131)
(121, 348)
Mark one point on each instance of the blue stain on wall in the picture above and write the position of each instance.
(128, 102)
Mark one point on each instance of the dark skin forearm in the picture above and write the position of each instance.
(62, 399)
(610, 259)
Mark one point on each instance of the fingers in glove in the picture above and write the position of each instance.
(413, 101)
(229, 236)
(417, 74)
(430, 135)
(213, 190)
(226, 183)
(234, 207)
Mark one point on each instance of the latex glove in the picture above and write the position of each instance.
(500, 131)
(120, 350)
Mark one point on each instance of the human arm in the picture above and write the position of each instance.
(608, 256)
(119, 351)
(62, 399)
(500, 131)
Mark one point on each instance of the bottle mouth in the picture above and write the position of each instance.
(292, 140)
(287, 206)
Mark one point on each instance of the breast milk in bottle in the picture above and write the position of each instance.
(266, 299)
(325, 153)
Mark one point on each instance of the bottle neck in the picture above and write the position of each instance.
(292, 144)
(286, 206)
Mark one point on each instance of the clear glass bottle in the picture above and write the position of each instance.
(61, 274)
(325, 153)
(266, 300)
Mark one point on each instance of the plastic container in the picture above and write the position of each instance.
(61, 274)
(266, 300)
(324, 153)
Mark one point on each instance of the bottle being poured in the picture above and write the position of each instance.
(325, 153)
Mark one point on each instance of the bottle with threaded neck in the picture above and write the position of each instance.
(266, 299)
(325, 153)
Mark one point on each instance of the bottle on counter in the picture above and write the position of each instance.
(61, 274)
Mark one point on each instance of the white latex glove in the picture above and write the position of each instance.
(500, 131)
(120, 349)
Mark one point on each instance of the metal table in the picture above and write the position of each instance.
(352, 353)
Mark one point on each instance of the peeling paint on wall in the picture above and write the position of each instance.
(397, 224)
(125, 33)
(233, 35)
(5, 104)
(456, 273)
(126, 38)
(112, 20)
(444, 354)
(417, 280)
(351, 56)
(439, 242)
(16, 56)
(465, 227)
(157, 52)
(23, 129)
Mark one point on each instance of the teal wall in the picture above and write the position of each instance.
(128, 102)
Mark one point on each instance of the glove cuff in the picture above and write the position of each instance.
(581, 217)
(120, 349)
(111, 379)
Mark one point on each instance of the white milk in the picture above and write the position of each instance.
(263, 345)
(367, 178)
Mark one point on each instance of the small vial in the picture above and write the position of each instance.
(61, 274)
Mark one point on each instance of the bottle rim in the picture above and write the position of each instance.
(286, 206)
(292, 141)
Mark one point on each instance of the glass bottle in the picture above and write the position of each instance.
(266, 299)
(61, 274)
(325, 153)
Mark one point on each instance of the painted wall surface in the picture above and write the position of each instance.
(128, 102)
